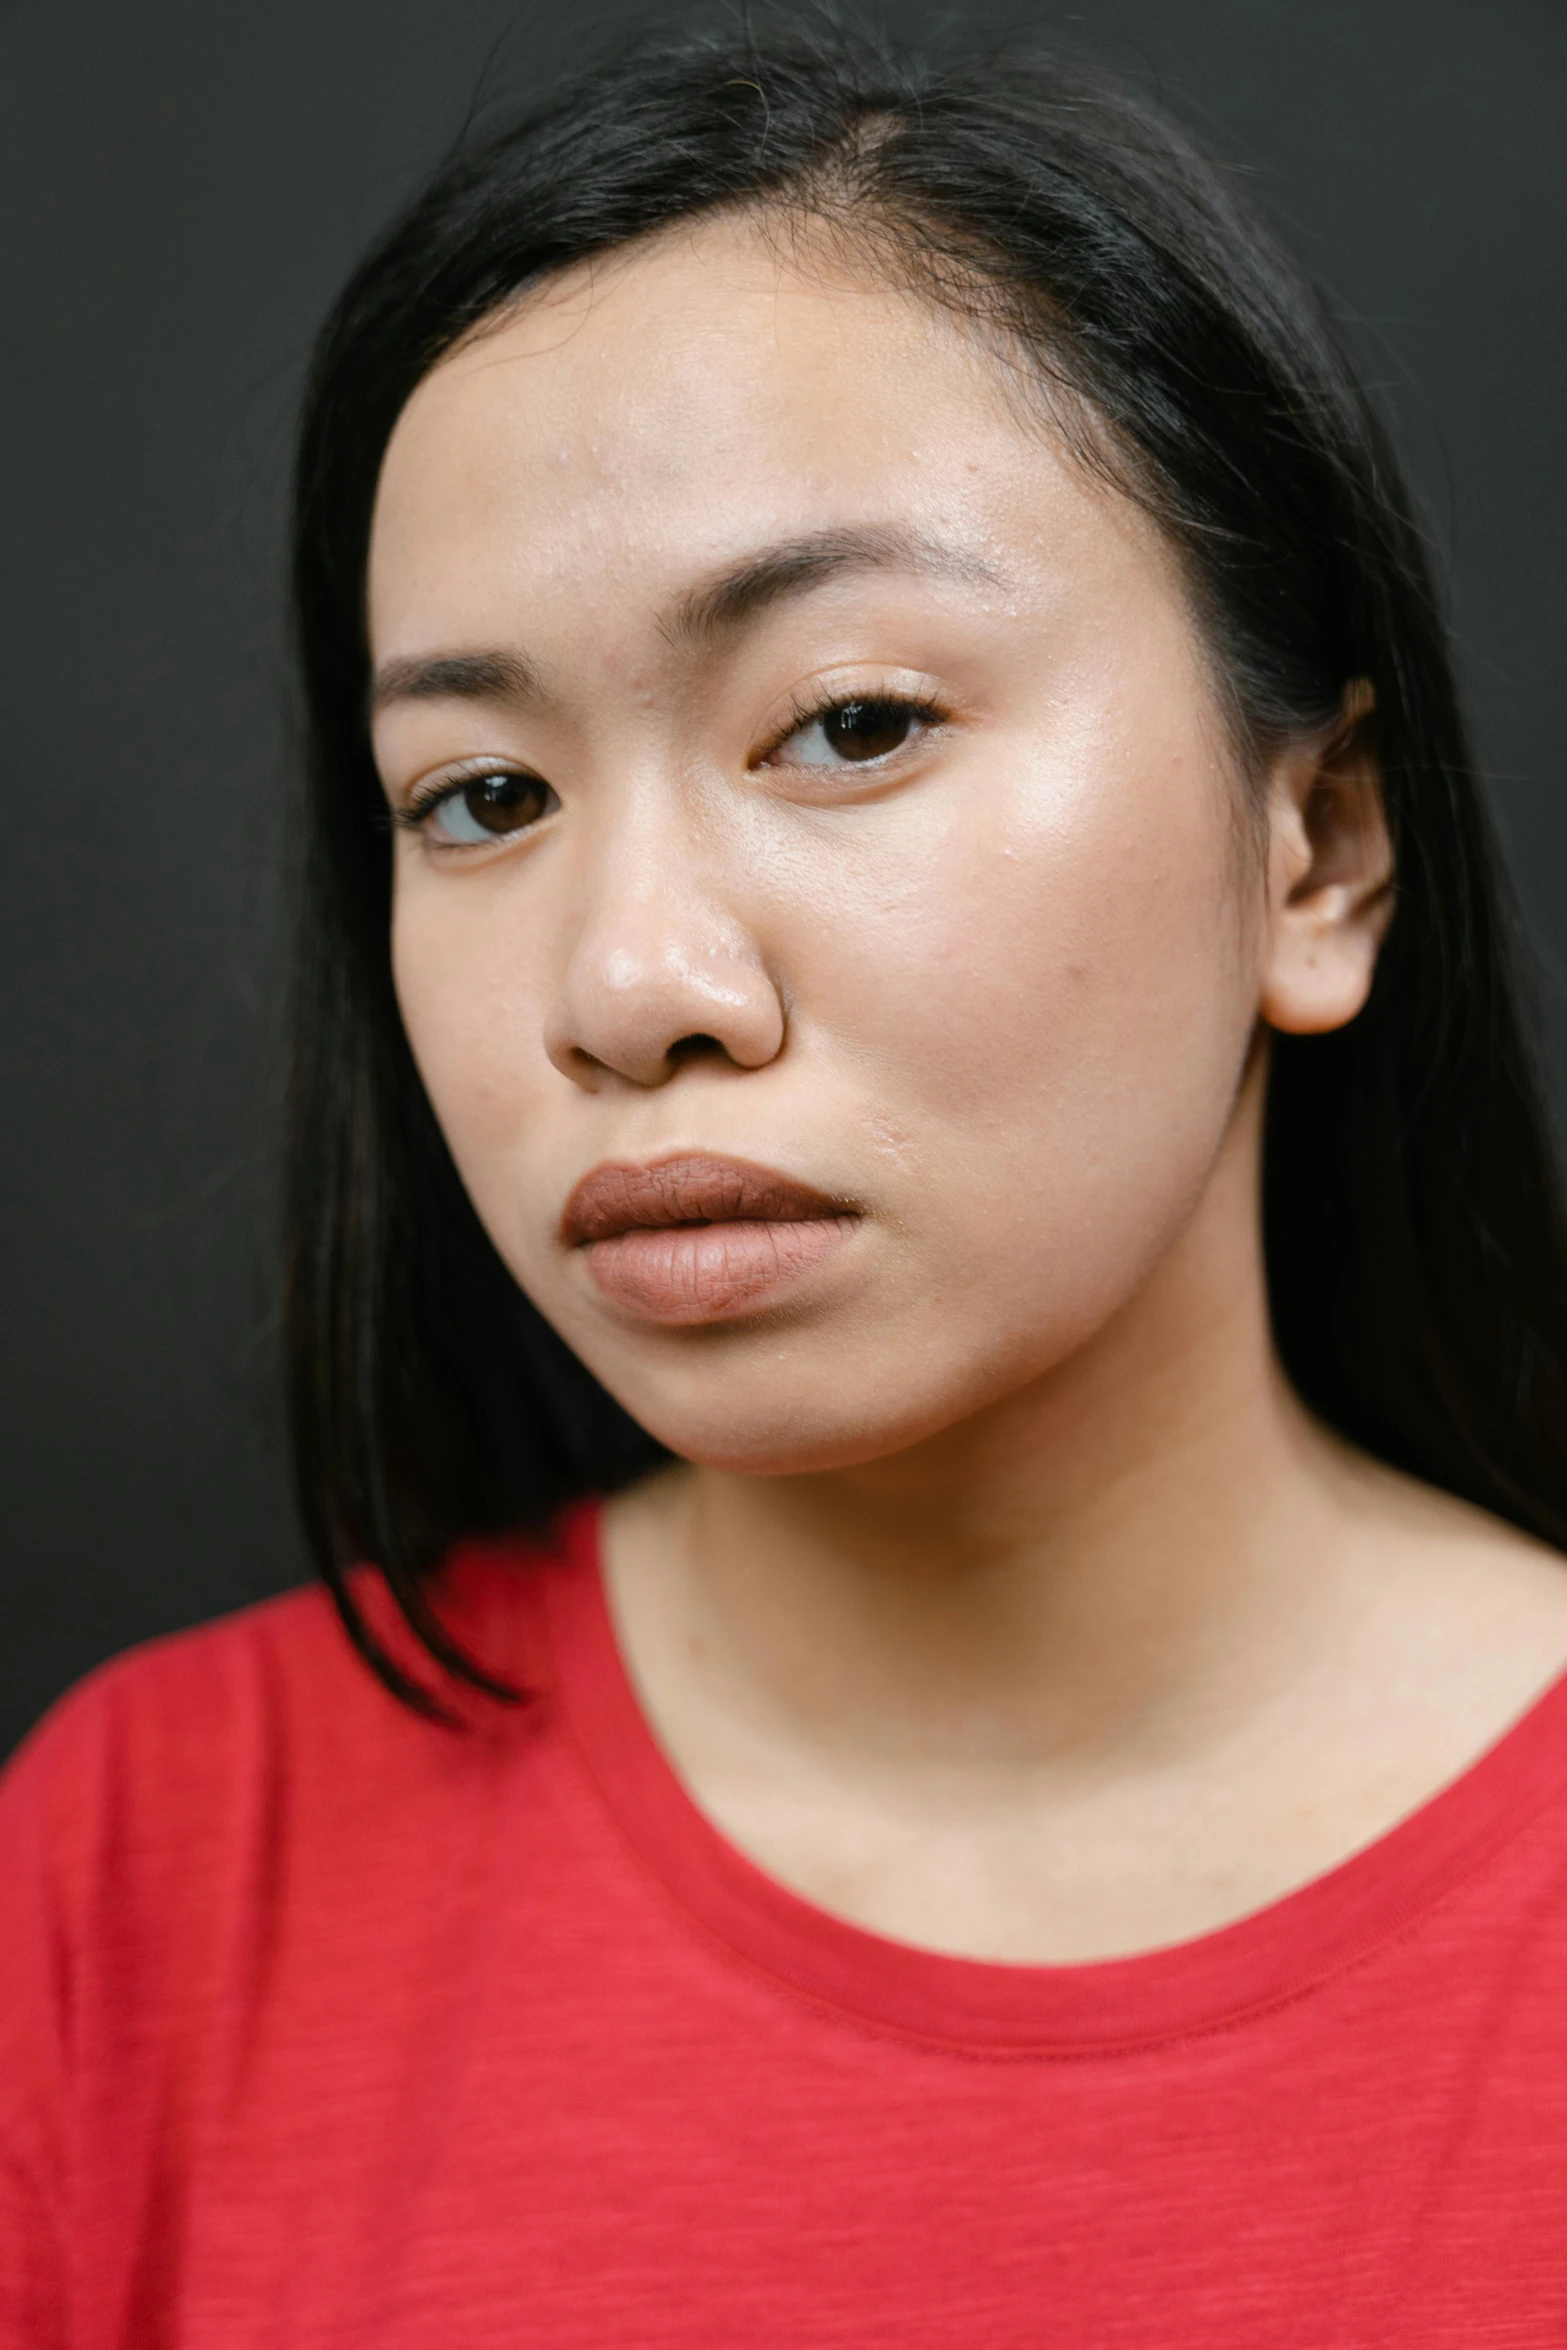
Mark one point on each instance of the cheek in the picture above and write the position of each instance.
(1052, 1007)
(472, 1011)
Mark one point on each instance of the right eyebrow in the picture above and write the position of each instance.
(461, 677)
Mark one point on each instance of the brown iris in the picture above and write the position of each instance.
(867, 730)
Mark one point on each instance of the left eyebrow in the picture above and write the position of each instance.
(461, 677)
(794, 567)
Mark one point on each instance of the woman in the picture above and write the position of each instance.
(902, 975)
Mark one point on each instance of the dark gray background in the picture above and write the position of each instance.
(184, 186)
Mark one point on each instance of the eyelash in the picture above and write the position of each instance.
(806, 713)
(425, 798)
(424, 801)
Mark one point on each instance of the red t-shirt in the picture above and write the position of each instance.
(322, 2025)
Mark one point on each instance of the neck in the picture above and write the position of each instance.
(1118, 1552)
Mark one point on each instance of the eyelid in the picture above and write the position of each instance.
(422, 812)
(807, 708)
(428, 792)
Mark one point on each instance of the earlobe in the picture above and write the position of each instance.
(1330, 876)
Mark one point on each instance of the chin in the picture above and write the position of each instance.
(772, 1447)
(836, 1383)
(798, 1417)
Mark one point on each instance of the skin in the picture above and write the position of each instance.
(1006, 1599)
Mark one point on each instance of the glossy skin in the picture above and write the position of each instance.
(1006, 1556)
(996, 990)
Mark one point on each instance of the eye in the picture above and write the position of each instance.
(853, 733)
(484, 808)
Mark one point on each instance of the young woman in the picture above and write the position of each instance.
(927, 1324)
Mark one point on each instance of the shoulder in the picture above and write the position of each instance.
(198, 1684)
(121, 1819)
(162, 1746)
(214, 1821)
(148, 1753)
(186, 1797)
(195, 1683)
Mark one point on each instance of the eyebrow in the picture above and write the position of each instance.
(461, 677)
(716, 608)
(795, 567)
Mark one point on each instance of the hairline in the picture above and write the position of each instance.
(1019, 335)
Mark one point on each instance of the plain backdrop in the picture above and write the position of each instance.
(184, 186)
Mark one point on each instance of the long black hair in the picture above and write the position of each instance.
(1415, 1260)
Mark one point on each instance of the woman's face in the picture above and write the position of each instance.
(835, 790)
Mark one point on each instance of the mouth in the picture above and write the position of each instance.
(695, 1239)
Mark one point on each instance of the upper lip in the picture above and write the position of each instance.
(691, 1188)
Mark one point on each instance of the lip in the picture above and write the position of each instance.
(694, 1238)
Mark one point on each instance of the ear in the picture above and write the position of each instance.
(1330, 876)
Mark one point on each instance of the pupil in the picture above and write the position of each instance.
(868, 730)
(501, 803)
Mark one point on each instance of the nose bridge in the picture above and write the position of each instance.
(659, 954)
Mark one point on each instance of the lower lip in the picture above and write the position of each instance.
(680, 1274)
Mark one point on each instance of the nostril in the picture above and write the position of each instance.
(623, 1011)
(695, 1048)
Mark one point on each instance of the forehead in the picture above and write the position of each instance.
(635, 422)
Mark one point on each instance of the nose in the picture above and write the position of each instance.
(660, 971)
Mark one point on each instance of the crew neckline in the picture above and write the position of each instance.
(1215, 1981)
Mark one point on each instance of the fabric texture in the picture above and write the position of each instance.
(320, 2025)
